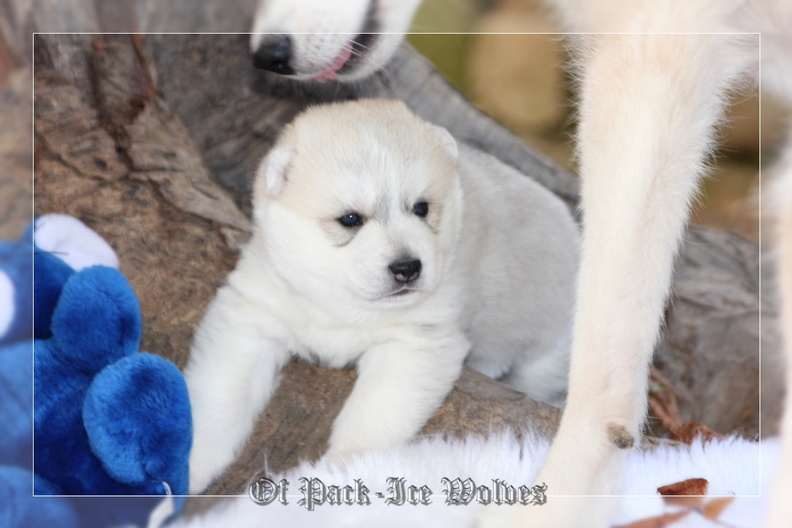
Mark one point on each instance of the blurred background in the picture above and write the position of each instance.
(518, 78)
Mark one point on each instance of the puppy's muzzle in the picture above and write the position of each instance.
(406, 270)
(274, 53)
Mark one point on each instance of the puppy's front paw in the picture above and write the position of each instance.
(199, 481)
(202, 472)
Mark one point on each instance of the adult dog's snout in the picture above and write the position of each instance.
(274, 53)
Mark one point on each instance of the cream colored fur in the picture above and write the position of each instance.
(498, 253)
(649, 106)
(642, 141)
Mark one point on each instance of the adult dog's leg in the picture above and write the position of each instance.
(649, 106)
(780, 506)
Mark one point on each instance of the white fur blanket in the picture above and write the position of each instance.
(734, 468)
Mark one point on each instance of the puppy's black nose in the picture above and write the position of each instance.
(274, 53)
(406, 270)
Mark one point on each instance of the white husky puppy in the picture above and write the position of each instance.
(379, 242)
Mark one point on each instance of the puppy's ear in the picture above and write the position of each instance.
(271, 173)
(446, 140)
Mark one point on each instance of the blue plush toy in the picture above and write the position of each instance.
(108, 420)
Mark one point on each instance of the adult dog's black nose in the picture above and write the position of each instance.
(274, 54)
(406, 270)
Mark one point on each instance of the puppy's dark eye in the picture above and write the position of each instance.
(421, 209)
(350, 220)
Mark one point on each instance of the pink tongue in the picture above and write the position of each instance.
(338, 63)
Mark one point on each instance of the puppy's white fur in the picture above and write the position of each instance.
(498, 254)
(649, 104)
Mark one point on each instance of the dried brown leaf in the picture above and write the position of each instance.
(690, 431)
(687, 493)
